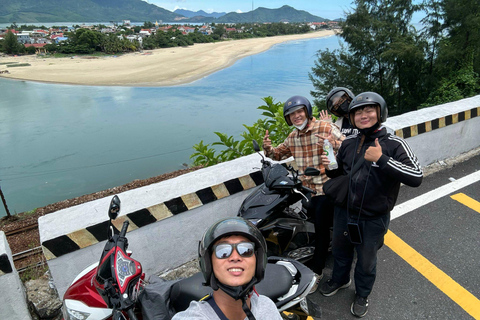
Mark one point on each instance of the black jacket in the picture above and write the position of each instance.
(377, 184)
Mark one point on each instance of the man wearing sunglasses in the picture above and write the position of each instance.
(233, 259)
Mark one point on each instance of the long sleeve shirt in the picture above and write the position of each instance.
(302, 145)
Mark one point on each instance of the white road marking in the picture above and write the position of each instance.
(433, 195)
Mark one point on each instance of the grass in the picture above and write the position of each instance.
(18, 65)
(30, 213)
(7, 62)
(33, 273)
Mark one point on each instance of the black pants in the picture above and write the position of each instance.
(373, 232)
(321, 209)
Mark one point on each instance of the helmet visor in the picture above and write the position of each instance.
(338, 103)
(292, 110)
(225, 250)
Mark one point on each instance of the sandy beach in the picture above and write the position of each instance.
(159, 67)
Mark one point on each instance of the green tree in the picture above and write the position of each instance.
(381, 52)
(10, 44)
(454, 52)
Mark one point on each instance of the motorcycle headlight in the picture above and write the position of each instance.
(76, 310)
(72, 314)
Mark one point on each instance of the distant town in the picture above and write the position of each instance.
(31, 39)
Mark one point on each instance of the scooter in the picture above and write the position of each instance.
(278, 207)
(115, 288)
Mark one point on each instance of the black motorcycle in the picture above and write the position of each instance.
(278, 207)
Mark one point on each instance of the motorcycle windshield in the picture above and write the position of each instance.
(275, 172)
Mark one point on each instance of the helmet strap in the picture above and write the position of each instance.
(238, 292)
(369, 131)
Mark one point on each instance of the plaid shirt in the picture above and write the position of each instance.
(302, 145)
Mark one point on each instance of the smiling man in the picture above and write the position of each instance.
(305, 144)
(233, 259)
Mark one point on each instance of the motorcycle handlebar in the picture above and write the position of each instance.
(307, 189)
(123, 232)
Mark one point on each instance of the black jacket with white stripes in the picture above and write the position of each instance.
(375, 186)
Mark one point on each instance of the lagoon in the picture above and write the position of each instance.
(63, 141)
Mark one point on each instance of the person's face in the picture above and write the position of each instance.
(366, 117)
(234, 270)
(298, 117)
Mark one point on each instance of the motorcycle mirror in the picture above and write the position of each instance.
(256, 147)
(309, 171)
(114, 207)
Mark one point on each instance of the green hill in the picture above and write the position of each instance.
(28, 11)
(283, 14)
(31, 11)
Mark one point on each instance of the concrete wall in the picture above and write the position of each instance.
(14, 305)
(169, 217)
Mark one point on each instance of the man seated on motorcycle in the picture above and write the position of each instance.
(305, 144)
(233, 259)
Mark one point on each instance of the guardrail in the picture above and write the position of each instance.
(169, 217)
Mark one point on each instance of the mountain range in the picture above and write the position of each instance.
(35, 11)
(200, 13)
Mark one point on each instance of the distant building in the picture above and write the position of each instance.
(126, 22)
(24, 37)
(39, 47)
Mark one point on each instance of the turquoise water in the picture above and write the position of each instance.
(63, 141)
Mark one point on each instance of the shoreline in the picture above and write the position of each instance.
(151, 68)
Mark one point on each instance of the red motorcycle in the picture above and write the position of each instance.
(115, 288)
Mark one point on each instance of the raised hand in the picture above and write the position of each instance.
(325, 116)
(267, 143)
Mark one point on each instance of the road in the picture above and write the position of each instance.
(429, 267)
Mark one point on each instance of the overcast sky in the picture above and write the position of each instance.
(328, 9)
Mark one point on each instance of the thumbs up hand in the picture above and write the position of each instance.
(374, 153)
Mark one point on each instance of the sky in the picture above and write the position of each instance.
(327, 9)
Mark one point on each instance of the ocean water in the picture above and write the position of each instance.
(63, 141)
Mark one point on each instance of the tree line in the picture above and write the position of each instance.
(86, 41)
(381, 50)
(411, 67)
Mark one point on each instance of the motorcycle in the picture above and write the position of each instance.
(115, 288)
(278, 208)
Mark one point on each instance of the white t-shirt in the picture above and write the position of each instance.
(261, 306)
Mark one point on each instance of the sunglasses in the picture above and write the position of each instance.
(225, 250)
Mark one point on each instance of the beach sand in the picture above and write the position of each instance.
(159, 67)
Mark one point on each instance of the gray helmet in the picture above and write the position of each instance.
(369, 98)
(338, 101)
(295, 103)
(228, 227)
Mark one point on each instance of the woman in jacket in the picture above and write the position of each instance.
(384, 161)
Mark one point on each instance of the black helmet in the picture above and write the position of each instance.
(338, 101)
(369, 98)
(228, 227)
(295, 103)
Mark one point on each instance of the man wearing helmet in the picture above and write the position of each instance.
(338, 101)
(379, 161)
(233, 259)
(305, 144)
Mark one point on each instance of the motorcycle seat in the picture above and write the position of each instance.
(187, 290)
(276, 283)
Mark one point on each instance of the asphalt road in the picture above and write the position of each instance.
(429, 267)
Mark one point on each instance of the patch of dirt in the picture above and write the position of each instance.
(30, 239)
